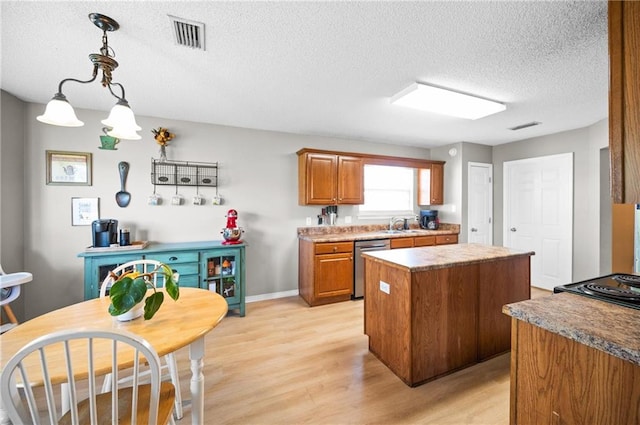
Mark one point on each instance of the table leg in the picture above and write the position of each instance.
(196, 355)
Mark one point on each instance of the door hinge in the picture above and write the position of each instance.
(489, 179)
(489, 220)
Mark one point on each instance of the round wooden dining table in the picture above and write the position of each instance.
(177, 324)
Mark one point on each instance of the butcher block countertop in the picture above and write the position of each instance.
(369, 232)
(442, 256)
(601, 325)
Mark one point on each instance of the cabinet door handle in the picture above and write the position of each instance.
(173, 258)
(513, 229)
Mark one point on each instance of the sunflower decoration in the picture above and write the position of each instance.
(163, 136)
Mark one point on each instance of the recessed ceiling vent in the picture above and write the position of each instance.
(188, 33)
(529, 124)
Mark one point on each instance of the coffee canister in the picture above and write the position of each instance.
(124, 237)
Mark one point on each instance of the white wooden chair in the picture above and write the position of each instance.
(142, 404)
(10, 286)
(170, 366)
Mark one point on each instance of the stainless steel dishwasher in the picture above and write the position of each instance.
(358, 270)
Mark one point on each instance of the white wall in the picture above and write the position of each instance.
(585, 143)
(455, 206)
(258, 178)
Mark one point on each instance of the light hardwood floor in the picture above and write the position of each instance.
(287, 363)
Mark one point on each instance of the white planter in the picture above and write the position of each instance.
(134, 313)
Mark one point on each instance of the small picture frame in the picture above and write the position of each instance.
(84, 211)
(68, 168)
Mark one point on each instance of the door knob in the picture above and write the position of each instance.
(473, 229)
(513, 229)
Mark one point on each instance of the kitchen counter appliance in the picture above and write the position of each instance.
(429, 219)
(104, 232)
(617, 288)
(358, 269)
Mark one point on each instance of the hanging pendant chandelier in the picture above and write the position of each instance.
(121, 121)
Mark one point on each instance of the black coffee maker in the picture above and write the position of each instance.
(105, 232)
(429, 219)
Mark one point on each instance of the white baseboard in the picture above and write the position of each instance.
(271, 296)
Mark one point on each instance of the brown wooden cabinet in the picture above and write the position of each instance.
(328, 179)
(555, 380)
(416, 241)
(396, 243)
(497, 287)
(430, 185)
(624, 100)
(427, 323)
(325, 272)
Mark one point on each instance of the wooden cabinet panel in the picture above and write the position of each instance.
(325, 179)
(401, 243)
(350, 180)
(437, 184)
(555, 380)
(424, 241)
(624, 100)
(432, 322)
(410, 242)
(444, 320)
(333, 247)
(622, 251)
(446, 239)
(430, 185)
(500, 283)
(333, 275)
(325, 272)
(318, 173)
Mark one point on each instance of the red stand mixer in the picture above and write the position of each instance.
(232, 232)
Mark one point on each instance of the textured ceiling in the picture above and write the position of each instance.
(324, 68)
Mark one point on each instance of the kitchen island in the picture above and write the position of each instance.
(574, 360)
(433, 310)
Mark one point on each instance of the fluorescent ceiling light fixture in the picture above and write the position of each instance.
(446, 102)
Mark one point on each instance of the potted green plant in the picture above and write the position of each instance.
(129, 289)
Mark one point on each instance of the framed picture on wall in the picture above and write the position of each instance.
(84, 211)
(68, 168)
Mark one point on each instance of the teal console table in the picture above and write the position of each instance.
(207, 265)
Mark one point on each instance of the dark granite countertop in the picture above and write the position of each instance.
(598, 324)
(441, 256)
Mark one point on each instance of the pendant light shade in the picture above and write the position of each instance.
(121, 119)
(121, 115)
(60, 112)
(122, 122)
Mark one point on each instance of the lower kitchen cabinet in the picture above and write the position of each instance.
(556, 380)
(206, 265)
(417, 241)
(325, 272)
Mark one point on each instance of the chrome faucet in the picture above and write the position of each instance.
(395, 220)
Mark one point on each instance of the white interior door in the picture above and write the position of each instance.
(480, 203)
(538, 215)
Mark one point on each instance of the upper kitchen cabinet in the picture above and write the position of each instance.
(430, 185)
(624, 100)
(329, 179)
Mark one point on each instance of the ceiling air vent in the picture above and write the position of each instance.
(188, 33)
(521, 126)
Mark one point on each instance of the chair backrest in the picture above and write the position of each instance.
(80, 348)
(143, 266)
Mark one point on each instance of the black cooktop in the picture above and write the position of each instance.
(617, 288)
